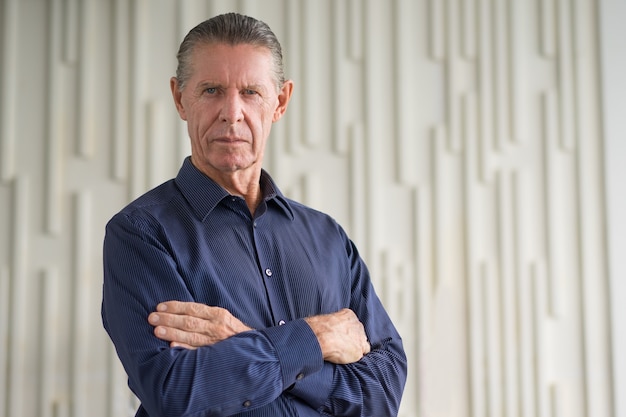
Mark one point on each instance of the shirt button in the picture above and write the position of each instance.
(299, 376)
(268, 272)
(280, 323)
(247, 403)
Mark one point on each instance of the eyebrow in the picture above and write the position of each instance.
(206, 84)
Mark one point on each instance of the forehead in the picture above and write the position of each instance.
(241, 62)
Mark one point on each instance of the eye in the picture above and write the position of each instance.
(210, 90)
(249, 92)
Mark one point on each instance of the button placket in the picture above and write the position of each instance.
(263, 243)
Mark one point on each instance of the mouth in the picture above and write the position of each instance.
(230, 140)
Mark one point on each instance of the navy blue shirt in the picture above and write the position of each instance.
(189, 240)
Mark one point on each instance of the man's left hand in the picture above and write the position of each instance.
(192, 325)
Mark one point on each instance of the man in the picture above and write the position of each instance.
(222, 296)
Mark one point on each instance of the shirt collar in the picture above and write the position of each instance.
(203, 194)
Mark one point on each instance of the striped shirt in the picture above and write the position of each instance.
(190, 240)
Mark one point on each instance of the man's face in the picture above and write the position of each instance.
(230, 102)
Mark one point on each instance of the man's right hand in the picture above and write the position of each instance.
(341, 336)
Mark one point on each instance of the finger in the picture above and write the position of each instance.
(175, 307)
(190, 308)
(366, 347)
(182, 337)
(182, 345)
(181, 322)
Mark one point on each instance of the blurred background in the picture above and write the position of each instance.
(473, 149)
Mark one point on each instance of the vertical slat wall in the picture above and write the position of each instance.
(459, 142)
(612, 31)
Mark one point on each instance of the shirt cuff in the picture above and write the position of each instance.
(298, 350)
(315, 389)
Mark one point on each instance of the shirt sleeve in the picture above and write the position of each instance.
(374, 385)
(241, 373)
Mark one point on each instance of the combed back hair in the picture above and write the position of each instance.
(232, 29)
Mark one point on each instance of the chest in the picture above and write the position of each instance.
(266, 271)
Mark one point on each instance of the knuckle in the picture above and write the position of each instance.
(195, 309)
(189, 323)
(194, 340)
(221, 313)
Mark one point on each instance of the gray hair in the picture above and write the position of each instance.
(231, 29)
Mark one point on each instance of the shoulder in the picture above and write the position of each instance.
(317, 221)
(308, 212)
(153, 206)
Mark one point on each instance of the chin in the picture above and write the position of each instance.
(234, 166)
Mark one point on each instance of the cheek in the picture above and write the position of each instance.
(266, 119)
(200, 119)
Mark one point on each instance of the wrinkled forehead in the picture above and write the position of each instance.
(225, 63)
(221, 58)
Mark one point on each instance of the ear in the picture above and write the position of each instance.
(284, 96)
(177, 94)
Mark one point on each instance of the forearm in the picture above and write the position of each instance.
(244, 372)
(227, 378)
(372, 386)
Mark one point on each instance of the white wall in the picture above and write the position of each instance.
(613, 53)
(462, 144)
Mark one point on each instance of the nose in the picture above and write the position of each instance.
(232, 110)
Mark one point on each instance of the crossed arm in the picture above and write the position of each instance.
(192, 325)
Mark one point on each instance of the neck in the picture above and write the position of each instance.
(242, 183)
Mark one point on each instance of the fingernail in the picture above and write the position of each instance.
(161, 331)
(162, 307)
(154, 318)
